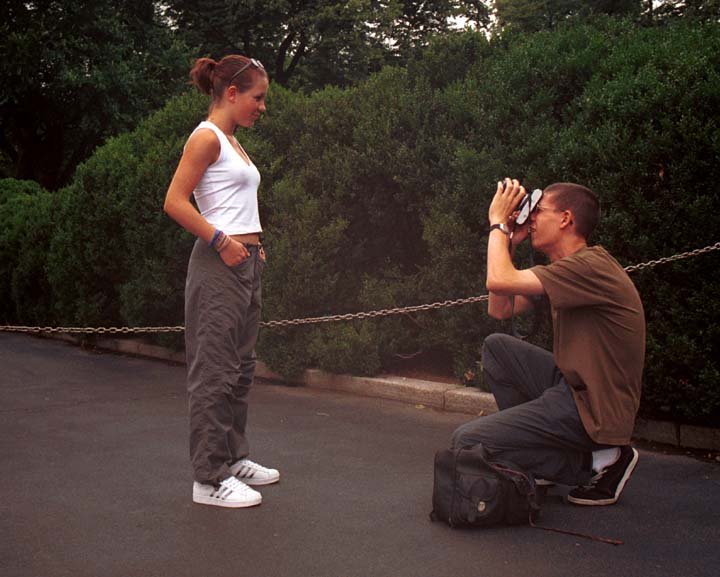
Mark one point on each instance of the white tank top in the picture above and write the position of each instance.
(227, 193)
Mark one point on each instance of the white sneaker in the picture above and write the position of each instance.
(254, 474)
(230, 493)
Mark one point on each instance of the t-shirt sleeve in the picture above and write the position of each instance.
(573, 282)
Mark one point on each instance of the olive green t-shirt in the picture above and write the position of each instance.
(599, 339)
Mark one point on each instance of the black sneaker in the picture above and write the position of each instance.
(607, 485)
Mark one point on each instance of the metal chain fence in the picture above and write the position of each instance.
(332, 318)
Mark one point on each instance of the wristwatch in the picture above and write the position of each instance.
(501, 226)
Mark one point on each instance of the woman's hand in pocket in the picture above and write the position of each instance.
(234, 253)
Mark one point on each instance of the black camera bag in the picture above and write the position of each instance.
(470, 491)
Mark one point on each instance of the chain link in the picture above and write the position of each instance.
(696, 252)
(377, 313)
(91, 330)
(331, 318)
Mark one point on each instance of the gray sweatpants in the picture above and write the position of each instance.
(538, 426)
(222, 315)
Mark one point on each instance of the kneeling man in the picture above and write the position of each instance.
(566, 416)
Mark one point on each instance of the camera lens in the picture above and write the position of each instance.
(527, 205)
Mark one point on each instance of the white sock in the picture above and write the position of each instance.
(604, 458)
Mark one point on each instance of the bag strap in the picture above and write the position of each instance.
(534, 508)
(583, 535)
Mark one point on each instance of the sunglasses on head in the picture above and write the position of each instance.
(252, 62)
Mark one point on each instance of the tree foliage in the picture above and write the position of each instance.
(77, 72)
(703, 10)
(26, 227)
(376, 196)
(535, 15)
(119, 261)
(74, 73)
(316, 43)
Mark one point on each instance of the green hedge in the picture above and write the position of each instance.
(376, 197)
(115, 258)
(26, 227)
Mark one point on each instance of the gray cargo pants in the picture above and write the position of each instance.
(222, 315)
(538, 426)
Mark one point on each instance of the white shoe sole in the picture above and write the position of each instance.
(214, 501)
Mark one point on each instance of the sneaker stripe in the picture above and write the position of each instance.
(230, 493)
(223, 493)
(254, 474)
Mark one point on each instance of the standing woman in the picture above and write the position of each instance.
(222, 290)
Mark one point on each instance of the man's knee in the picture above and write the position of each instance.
(468, 434)
(457, 439)
(494, 342)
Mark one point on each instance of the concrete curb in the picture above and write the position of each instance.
(442, 396)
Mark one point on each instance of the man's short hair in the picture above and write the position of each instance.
(581, 201)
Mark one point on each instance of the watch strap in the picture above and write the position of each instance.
(500, 226)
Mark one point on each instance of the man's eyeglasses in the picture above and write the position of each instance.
(252, 62)
(539, 208)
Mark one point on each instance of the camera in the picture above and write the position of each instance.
(527, 206)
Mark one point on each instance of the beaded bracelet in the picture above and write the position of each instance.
(222, 243)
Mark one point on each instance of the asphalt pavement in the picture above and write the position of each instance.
(97, 483)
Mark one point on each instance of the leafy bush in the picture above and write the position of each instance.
(408, 160)
(376, 197)
(26, 225)
(115, 256)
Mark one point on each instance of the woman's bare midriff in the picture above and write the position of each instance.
(251, 238)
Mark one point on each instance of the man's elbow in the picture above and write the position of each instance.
(499, 309)
(499, 315)
(497, 286)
